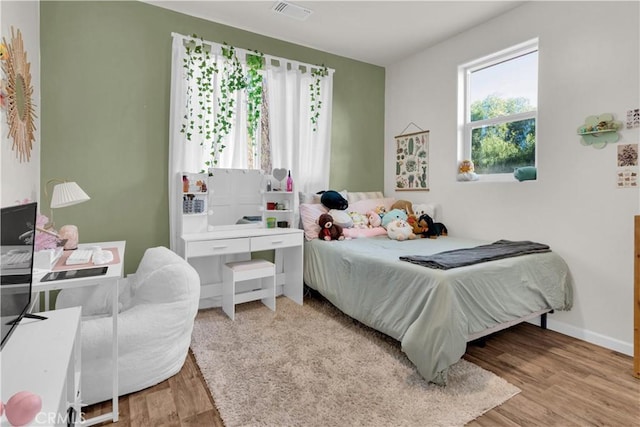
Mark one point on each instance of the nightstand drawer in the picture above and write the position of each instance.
(217, 247)
(277, 241)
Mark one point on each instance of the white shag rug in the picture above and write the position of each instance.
(311, 365)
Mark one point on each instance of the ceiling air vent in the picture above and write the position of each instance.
(291, 10)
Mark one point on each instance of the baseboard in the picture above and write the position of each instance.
(590, 337)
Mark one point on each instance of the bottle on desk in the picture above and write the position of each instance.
(289, 182)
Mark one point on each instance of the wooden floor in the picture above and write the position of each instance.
(564, 382)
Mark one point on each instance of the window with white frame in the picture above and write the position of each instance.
(499, 110)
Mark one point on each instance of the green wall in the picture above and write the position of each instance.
(105, 114)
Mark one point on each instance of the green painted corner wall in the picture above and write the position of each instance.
(105, 81)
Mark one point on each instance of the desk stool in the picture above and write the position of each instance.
(234, 272)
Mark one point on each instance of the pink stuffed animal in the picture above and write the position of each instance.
(374, 219)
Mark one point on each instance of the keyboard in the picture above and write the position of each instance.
(16, 260)
(79, 256)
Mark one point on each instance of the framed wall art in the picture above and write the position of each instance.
(412, 161)
(20, 109)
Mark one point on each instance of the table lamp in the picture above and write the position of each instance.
(67, 194)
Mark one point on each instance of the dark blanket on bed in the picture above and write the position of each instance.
(468, 256)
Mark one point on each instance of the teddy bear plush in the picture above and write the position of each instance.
(329, 230)
(405, 205)
(400, 229)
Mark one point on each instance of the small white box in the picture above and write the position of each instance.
(46, 258)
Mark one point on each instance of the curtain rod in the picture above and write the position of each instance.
(270, 58)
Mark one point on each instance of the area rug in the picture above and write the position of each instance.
(311, 365)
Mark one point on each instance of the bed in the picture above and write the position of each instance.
(433, 313)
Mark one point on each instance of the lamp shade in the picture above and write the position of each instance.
(67, 194)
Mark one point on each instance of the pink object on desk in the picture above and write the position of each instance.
(70, 233)
(61, 264)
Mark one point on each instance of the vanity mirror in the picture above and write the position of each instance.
(235, 198)
(232, 199)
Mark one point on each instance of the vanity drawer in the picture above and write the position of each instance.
(217, 247)
(274, 242)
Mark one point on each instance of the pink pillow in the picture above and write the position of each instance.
(356, 233)
(309, 214)
(366, 205)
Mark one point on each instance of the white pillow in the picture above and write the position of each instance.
(309, 214)
(363, 195)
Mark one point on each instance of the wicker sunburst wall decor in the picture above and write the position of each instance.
(20, 111)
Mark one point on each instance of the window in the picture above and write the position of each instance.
(499, 110)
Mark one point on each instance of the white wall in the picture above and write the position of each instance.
(588, 65)
(21, 181)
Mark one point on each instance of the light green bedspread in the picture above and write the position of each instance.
(432, 312)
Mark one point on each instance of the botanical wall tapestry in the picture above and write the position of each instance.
(412, 161)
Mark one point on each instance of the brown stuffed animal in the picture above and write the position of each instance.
(329, 230)
(420, 228)
(405, 205)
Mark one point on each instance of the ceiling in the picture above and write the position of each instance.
(375, 32)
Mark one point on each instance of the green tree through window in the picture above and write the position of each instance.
(501, 147)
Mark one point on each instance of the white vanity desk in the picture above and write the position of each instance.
(209, 251)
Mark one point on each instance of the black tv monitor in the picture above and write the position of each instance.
(17, 239)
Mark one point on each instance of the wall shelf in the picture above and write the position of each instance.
(595, 132)
(598, 131)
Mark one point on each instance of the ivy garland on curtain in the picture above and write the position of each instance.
(314, 90)
(234, 78)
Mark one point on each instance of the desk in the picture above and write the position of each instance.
(209, 251)
(114, 273)
(43, 357)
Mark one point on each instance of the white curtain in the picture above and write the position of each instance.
(295, 144)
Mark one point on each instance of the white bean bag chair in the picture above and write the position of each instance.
(157, 308)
